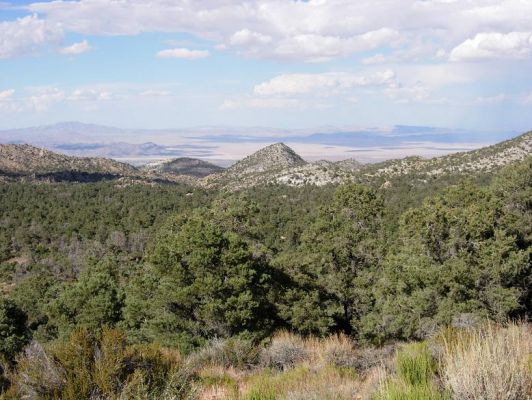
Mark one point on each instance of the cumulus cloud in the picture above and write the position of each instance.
(25, 35)
(6, 94)
(41, 98)
(494, 45)
(257, 103)
(417, 92)
(326, 83)
(527, 99)
(245, 37)
(183, 53)
(90, 94)
(7, 102)
(491, 100)
(76, 48)
(311, 31)
(155, 93)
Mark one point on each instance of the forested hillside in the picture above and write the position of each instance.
(166, 269)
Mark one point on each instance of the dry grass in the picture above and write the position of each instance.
(303, 382)
(287, 350)
(293, 368)
(491, 363)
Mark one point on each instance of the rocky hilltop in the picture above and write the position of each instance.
(26, 162)
(23, 159)
(260, 167)
(482, 160)
(270, 158)
(184, 166)
(278, 164)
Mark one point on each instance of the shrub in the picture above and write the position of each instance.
(14, 334)
(38, 375)
(339, 351)
(104, 367)
(492, 364)
(284, 352)
(371, 357)
(233, 352)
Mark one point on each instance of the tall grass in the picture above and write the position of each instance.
(399, 390)
(493, 363)
(416, 369)
(415, 364)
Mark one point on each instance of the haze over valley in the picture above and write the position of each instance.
(225, 145)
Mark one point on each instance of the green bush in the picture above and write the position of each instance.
(103, 366)
(14, 334)
(415, 364)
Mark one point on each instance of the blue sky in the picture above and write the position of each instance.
(283, 64)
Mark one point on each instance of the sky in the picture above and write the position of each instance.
(275, 63)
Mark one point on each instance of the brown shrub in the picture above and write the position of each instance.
(492, 363)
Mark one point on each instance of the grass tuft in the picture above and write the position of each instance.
(415, 364)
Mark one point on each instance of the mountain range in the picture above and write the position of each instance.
(273, 164)
(226, 144)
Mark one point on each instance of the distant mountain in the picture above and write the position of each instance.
(62, 132)
(118, 150)
(144, 145)
(184, 166)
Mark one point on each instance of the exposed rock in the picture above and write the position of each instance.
(184, 166)
(482, 160)
(23, 159)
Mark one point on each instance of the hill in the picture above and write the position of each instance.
(184, 166)
(24, 159)
(279, 164)
(257, 168)
(483, 160)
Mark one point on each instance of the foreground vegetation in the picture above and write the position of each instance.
(167, 292)
(488, 362)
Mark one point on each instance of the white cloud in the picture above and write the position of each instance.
(76, 48)
(321, 48)
(325, 83)
(261, 103)
(184, 53)
(245, 37)
(527, 99)
(494, 45)
(299, 30)
(491, 100)
(90, 94)
(41, 98)
(6, 94)
(7, 101)
(44, 98)
(25, 35)
(155, 93)
(417, 92)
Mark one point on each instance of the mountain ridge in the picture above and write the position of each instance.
(273, 164)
